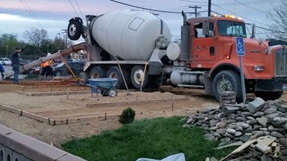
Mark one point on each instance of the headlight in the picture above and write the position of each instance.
(258, 68)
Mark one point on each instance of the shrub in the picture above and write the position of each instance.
(127, 116)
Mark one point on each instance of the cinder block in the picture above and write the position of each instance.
(256, 105)
(263, 148)
(230, 109)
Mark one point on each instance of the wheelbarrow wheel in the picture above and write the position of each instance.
(113, 92)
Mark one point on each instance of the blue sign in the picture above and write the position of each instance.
(239, 46)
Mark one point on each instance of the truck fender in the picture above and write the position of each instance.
(223, 66)
(76, 19)
(230, 65)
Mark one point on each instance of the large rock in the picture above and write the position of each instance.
(263, 121)
(256, 105)
(270, 110)
(259, 119)
(281, 106)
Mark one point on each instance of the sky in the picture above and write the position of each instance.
(18, 16)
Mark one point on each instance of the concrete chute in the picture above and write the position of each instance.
(59, 54)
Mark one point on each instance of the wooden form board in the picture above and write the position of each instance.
(54, 122)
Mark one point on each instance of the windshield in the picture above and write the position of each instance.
(231, 28)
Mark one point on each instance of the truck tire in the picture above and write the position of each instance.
(136, 76)
(86, 77)
(114, 72)
(154, 82)
(58, 73)
(268, 95)
(227, 80)
(97, 72)
(74, 30)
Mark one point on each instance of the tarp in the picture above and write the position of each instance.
(175, 157)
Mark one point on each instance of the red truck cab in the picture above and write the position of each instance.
(212, 48)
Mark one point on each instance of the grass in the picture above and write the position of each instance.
(154, 138)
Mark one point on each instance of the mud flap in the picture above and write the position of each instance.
(208, 90)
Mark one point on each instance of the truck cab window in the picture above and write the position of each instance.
(231, 28)
(199, 30)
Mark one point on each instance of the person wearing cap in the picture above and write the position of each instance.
(15, 59)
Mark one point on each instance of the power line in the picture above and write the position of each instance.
(73, 8)
(28, 9)
(193, 1)
(150, 9)
(239, 15)
(250, 7)
(79, 8)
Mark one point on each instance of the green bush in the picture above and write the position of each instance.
(127, 116)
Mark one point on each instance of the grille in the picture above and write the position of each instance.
(281, 63)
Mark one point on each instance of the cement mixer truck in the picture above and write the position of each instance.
(135, 47)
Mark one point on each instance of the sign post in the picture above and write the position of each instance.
(240, 53)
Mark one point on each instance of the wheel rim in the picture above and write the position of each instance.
(138, 76)
(72, 29)
(224, 85)
(96, 75)
(58, 74)
(112, 93)
(113, 75)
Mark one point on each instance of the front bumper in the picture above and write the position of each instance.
(273, 85)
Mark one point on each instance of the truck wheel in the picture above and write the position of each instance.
(74, 30)
(97, 72)
(137, 77)
(86, 77)
(58, 74)
(268, 95)
(154, 82)
(227, 80)
(114, 72)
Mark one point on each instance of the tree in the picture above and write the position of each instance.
(36, 36)
(59, 43)
(278, 17)
(8, 43)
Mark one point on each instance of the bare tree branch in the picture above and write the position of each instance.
(36, 36)
(278, 28)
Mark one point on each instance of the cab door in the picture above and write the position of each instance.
(204, 46)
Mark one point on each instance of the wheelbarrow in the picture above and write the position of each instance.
(105, 86)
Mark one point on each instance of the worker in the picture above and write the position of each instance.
(47, 70)
(2, 70)
(15, 59)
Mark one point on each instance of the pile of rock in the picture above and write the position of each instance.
(244, 122)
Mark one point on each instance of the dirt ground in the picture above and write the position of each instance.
(83, 105)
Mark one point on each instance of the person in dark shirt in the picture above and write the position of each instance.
(16, 64)
(2, 70)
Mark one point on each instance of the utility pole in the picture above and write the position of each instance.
(66, 37)
(195, 9)
(47, 48)
(209, 8)
(7, 51)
